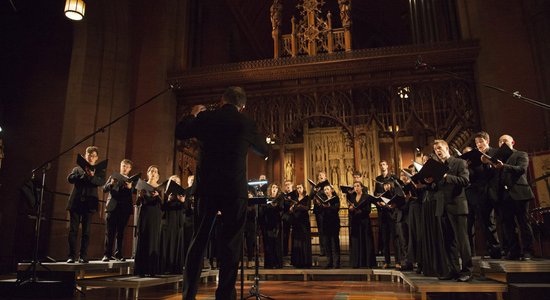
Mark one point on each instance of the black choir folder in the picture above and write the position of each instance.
(432, 168)
(384, 197)
(83, 163)
(323, 197)
(502, 154)
(143, 185)
(123, 178)
(473, 156)
(174, 188)
(321, 185)
(346, 188)
(291, 195)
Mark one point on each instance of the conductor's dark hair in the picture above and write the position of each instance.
(235, 95)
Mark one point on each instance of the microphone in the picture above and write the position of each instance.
(419, 64)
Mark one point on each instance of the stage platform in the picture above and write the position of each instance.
(500, 277)
(123, 267)
(131, 284)
(308, 274)
(321, 273)
(425, 285)
(514, 266)
(525, 279)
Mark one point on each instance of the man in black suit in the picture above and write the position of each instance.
(515, 194)
(482, 195)
(452, 208)
(118, 209)
(386, 221)
(224, 137)
(83, 202)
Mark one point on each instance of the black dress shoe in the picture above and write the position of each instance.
(527, 256)
(83, 260)
(449, 276)
(70, 260)
(464, 278)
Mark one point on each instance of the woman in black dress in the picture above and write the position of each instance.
(330, 206)
(361, 242)
(172, 254)
(433, 263)
(301, 230)
(271, 229)
(148, 227)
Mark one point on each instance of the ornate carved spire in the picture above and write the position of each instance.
(313, 32)
(345, 13)
(276, 12)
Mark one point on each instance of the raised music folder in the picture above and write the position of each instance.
(84, 164)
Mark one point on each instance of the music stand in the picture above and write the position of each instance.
(33, 278)
(255, 289)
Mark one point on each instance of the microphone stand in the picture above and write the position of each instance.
(516, 94)
(43, 168)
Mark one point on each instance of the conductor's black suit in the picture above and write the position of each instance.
(224, 137)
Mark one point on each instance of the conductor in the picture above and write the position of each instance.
(224, 137)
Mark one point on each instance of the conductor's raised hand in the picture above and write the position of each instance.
(197, 109)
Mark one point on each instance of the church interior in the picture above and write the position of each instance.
(334, 85)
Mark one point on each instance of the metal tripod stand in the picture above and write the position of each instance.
(255, 289)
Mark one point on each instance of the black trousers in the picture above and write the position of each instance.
(233, 218)
(455, 235)
(482, 208)
(285, 237)
(402, 232)
(414, 249)
(511, 211)
(77, 218)
(387, 234)
(332, 248)
(322, 242)
(116, 222)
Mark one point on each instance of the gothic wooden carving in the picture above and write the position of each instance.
(366, 102)
(312, 34)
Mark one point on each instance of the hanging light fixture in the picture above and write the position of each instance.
(75, 9)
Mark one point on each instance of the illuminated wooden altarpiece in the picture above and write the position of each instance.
(365, 95)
